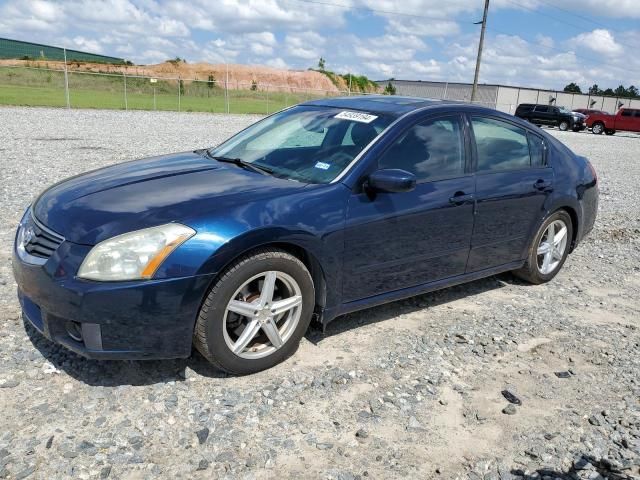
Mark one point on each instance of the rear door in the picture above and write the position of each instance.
(625, 120)
(513, 183)
(540, 115)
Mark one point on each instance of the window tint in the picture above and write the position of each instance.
(542, 108)
(430, 149)
(500, 145)
(536, 148)
(627, 113)
(637, 113)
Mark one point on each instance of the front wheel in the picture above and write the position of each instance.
(597, 128)
(549, 249)
(564, 125)
(256, 313)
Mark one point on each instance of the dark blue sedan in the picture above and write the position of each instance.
(319, 210)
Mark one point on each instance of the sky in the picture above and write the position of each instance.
(535, 43)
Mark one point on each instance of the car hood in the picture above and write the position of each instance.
(97, 205)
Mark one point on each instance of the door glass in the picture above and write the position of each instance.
(627, 113)
(536, 147)
(430, 149)
(542, 109)
(500, 145)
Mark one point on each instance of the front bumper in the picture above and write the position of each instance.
(112, 320)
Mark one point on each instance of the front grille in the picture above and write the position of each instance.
(38, 240)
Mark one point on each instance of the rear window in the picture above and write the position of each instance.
(500, 145)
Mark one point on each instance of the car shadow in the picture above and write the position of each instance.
(113, 373)
(392, 310)
(595, 469)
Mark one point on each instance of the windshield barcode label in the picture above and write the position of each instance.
(356, 116)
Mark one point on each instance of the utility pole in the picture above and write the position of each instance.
(474, 89)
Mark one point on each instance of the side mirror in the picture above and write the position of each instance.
(391, 180)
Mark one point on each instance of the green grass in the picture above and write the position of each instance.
(34, 87)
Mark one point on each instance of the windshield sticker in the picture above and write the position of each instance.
(356, 116)
(322, 166)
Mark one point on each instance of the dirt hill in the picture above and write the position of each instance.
(240, 76)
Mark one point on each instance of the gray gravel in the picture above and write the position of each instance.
(406, 390)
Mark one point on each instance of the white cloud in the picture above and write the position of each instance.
(307, 45)
(598, 40)
(89, 45)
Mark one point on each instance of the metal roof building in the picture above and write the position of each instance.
(16, 49)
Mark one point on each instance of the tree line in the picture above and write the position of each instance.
(621, 91)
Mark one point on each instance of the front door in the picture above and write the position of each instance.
(400, 240)
(513, 183)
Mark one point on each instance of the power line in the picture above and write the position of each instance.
(375, 10)
(577, 27)
(414, 15)
(582, 17)
(591, 59)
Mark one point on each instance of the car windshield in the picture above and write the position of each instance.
(310, 144)
(564, 110)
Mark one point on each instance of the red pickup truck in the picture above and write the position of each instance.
(627, 119)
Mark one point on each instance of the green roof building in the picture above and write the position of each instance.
(15, 49)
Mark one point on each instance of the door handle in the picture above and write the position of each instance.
(460, 198)
(543, 186)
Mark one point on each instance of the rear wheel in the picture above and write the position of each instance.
(256, 313)
(597, 128)
(549, 249)
(563, 125)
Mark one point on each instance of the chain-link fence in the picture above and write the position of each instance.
(75, 89)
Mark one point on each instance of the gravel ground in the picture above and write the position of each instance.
(410, 389)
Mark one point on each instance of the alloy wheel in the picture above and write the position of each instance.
(551, 249)
(262, 315)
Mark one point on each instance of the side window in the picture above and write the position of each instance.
(430, 149)
(500, 145)
(627, 113)
(637, 113)
(536, 148)
(541, 108)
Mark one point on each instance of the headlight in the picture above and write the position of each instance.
(135, 255)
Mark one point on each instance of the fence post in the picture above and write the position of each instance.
(226, 89)
(126, 103)
(446, 87)
(179, 85)
(267, 99)
(66, 80)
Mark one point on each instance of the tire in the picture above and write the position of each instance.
(609, 132)
(597, 128)
(563, 125)
(533, 270)
(218, 329)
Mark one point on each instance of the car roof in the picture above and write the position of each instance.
(382, 104)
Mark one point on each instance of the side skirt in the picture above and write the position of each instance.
(331, 314)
